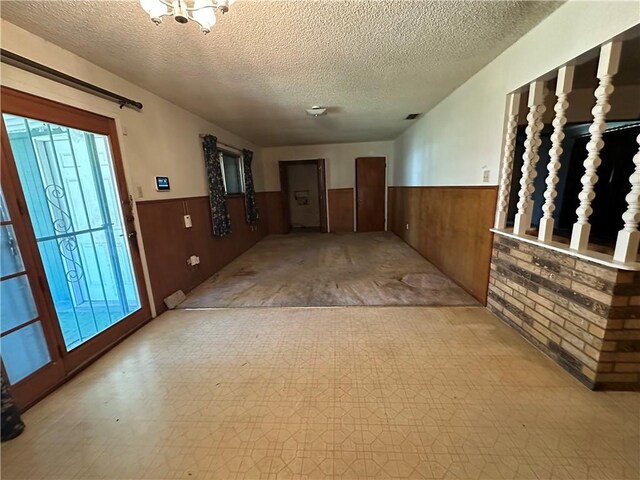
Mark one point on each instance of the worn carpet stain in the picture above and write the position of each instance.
(328, 270)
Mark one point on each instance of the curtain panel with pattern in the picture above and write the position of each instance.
(250, 204)
(219, 212)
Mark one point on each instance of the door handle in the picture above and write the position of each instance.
(131, 235)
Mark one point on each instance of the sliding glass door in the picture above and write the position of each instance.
(67, 169)
(69, 186)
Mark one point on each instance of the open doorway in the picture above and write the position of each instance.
(303, 188)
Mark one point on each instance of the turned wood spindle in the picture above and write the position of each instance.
(629, 236)
(506, 174)
(607, 68)
(532, 144)
(563, 88)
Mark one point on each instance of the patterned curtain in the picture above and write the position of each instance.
(12, 426)
(250, 206)
(219, 213)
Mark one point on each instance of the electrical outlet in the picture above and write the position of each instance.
(139, 192)
(486, 174)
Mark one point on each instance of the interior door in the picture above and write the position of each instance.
(370, 193)
(66, 165)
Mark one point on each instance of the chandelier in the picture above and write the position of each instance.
(203, 12)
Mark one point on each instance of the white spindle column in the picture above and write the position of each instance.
(607, 68)
(629, 236)
(506, 174)
(563, 87)
(530, 157)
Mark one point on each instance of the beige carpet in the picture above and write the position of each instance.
(343, 393)
(328, 270)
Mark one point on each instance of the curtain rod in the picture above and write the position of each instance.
(28, 65)
(233, 147)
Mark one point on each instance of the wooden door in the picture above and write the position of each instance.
(370, 193)
(65, 165)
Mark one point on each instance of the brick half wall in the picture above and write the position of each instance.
(583, 315)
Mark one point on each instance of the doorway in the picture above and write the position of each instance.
(303, 187)
(69, 208)
(371, 173)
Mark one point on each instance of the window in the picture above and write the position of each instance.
(232, 174)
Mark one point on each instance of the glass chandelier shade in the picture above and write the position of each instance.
(203, 12)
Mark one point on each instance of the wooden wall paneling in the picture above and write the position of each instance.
(322, 195)
(168, 243)
(341, 210)
(415, 217)
(449, 226)
(277, 222)
(396, 211)
(391, 210)
(161, 227)
(285, 226)
(263, 212)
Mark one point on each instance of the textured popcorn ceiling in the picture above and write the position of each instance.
(370, 62)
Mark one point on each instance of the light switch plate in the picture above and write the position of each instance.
(187, 221)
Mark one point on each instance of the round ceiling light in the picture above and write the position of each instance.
(316, 111)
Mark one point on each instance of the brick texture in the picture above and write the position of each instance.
(583, 315)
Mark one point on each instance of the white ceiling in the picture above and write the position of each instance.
(371, 62)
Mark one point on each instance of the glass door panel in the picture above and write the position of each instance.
(24, 351)
(22, 342)
(68, 179)
(17, 306)
(10, 261)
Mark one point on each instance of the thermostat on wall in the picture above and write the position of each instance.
(162, 184)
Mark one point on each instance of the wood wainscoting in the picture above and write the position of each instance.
(340, 210)
(449, 226)
(168, 244)
(277, 224)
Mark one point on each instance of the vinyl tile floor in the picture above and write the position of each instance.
(360, 392)
(300, 270)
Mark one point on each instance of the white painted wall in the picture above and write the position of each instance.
(339, 159)
(451, 143)
(162, 139)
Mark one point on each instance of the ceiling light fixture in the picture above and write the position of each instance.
(316, 111)
(203, 12)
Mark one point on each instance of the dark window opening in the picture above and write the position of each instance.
(232, 172)
(613, 179)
